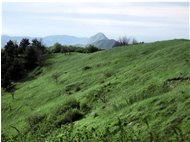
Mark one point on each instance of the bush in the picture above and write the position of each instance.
(71, 88)
(55, 76)
(108, 74)
(78, 88)
(35, 120)
(57, 47)
(134, 41)
(84, 107)
(72, 115)
(69, 104)
(72, 103)
(91, 49)
(61, 110)
(41, 126)
(4, 138)
(69, 117)
(81, 50)
(87, 67)
(124, 40)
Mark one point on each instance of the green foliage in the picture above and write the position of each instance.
(87, 68)
(35, 120)
(84, 107)
(91, 48)
(18, 59)
(73, 88)
(146, 97)
(12, 65)
(67, 49)
(69, 117)
(57, 48)
(72, 103)
(64, 114)
(55, 76)
(23, 44)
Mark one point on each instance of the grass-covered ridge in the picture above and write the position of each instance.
(133, 93)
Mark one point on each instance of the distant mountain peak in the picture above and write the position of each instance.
(100, 35)
(99, 40)
(97, 37)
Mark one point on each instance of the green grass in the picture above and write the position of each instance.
(123, 88)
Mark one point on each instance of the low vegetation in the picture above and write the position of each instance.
(67, 49)
(138, 93)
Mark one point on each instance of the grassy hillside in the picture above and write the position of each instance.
(133, 93)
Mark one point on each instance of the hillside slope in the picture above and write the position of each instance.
(133, 93)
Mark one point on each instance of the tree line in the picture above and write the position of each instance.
(124, 41)
(67, 49)
(18, 59)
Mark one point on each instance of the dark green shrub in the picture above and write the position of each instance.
(84, 107)
(65, 49)
(72, 115)
(81, 50)
(69, 104)
(4, 138)
(101, 96)
(57, 47)
(92, 48)
(61, 110)
(35, 120)
(72, 103)
(55, 76)
(87, 67)
(69, 117)
(71, 88)
(78, 88)
(108, 74)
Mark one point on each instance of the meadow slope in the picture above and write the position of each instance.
(129, 93)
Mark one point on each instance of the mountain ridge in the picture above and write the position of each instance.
(49, 40)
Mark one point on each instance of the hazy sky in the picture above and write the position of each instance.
(146, 21)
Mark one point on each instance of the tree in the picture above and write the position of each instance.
(91, 48)
(124, 40)
(30, 58)
(16, 60)
(35, 53)
(38, 44)
(11, 49)
(12, 68)
(17, 69)
(23, 44)
(57, 48)
(5, 81)
(134, 41)
(5, 75)
(64, 49)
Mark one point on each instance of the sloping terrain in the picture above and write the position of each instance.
(130, 93)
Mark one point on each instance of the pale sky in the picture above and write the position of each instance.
(145, 21)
